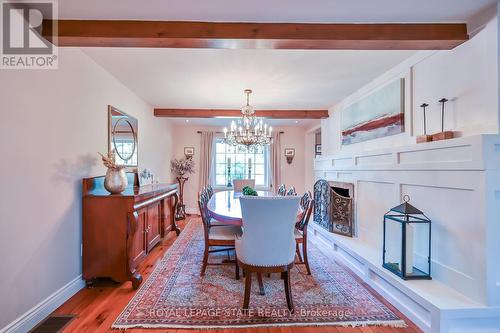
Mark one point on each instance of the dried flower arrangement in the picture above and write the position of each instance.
(109, 160)
(182, 166)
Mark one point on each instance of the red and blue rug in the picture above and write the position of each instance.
(175, 296)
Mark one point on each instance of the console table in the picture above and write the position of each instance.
(119, 230)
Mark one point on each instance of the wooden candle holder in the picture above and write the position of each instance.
(424, 138)
(445, 135)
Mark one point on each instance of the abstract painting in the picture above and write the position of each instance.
(377, 115)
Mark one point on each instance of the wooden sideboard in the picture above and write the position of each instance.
(119, 230)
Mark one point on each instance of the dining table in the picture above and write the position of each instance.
(224, 206)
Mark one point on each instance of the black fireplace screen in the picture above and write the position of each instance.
(333, 206)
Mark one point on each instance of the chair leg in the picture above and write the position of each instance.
(205, 262)
(248, 288)
(237, 270)
(261, 284)
(288, 291)
(297, 250)
(306, 261)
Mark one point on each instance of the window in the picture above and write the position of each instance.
(243, 160)
(124, 148)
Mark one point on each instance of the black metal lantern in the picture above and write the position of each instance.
(407, 242)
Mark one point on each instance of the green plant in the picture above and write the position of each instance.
(247, 190)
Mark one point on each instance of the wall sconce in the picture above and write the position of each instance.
(188, 152)
(289, 154)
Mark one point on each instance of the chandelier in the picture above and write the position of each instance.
(248, 130)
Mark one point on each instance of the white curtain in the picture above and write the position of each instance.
(206, 157)
(275, 161)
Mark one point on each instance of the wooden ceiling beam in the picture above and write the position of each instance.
(214, 113)
(226, 35)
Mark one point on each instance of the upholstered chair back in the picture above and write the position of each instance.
(268, 237)
(306, 216)
(281, 190)
(210, 191)
(202, 205)
(240, 183)
(291, 191)
(304, 201)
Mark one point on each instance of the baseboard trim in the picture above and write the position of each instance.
(40, 311)
(452, 315)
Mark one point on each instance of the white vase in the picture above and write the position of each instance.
(115, 180)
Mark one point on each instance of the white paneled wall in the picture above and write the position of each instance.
(456, 184)
(466, 75)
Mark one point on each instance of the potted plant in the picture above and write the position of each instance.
(182, 167)
(248, 190)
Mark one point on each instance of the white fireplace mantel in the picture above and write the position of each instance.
(457, 184)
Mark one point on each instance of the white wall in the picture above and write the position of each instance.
(467, 76)
(187, 136)
(310, 153)
(53, 123)
(292, 174)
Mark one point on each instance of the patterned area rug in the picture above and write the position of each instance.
(175, 296)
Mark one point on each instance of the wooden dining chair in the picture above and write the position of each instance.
(291, 191)
(307, 205)
(239, 184)
(210, 190)
(218, 238)
(267, 244)
(304, 200)
(281, 190)
(207, 193)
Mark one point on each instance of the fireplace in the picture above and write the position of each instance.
(333, 207)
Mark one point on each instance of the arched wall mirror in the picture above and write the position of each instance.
(122, 137)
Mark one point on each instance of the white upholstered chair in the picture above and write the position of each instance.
(268, 241)
(238, 184)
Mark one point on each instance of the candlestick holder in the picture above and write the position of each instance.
(443, 135)
(229, 182)
(424, 137)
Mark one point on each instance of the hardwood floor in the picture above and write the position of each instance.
(97, 308)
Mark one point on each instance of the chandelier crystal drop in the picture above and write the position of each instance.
(248, 130)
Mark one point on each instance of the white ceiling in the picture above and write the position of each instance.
(276, 10)
(280, 79)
